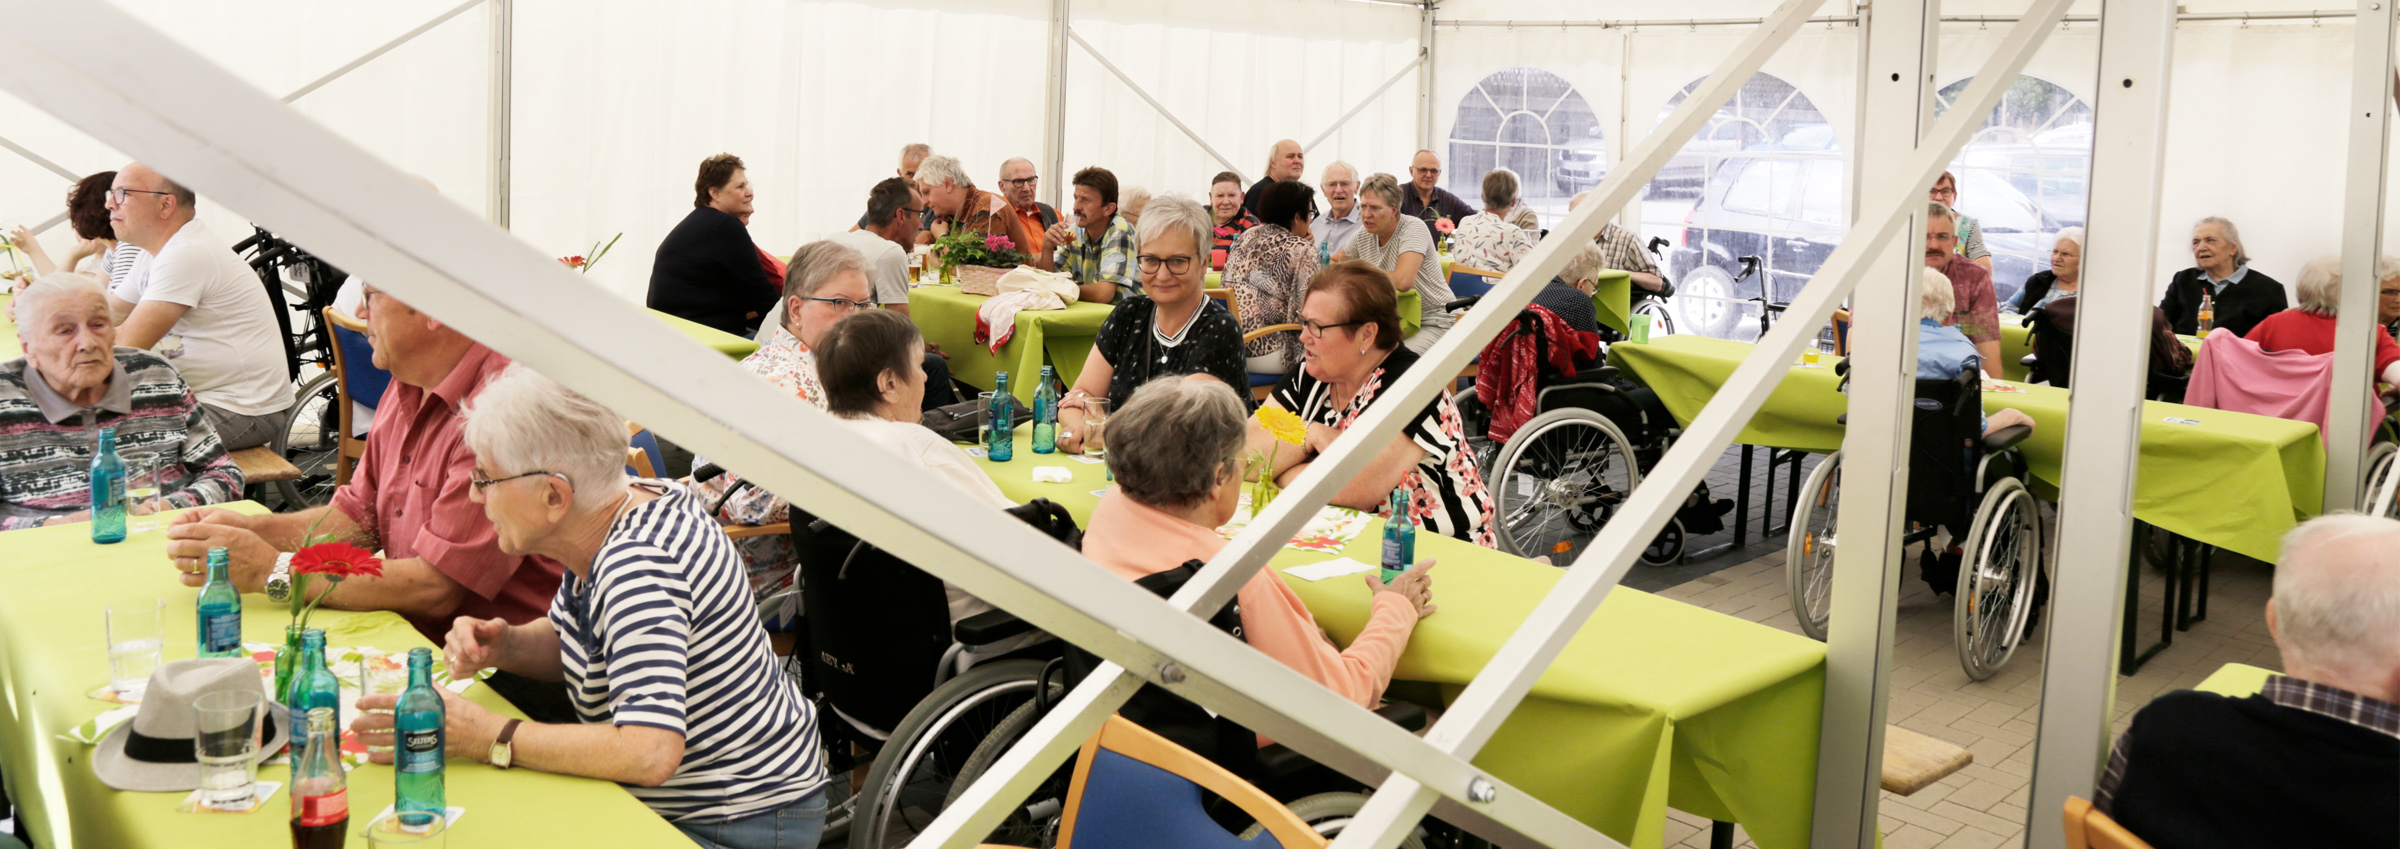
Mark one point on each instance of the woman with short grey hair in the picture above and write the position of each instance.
(2238, 296)
(1403, 248)
(2060, 280)
(1169, 328)
(2309, 326)
(1492, 240)
(1177, 451)
(679, 697)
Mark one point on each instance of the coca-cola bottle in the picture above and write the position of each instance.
(320, 794)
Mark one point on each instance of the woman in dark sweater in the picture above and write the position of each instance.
(2240, 296)
(707, 269)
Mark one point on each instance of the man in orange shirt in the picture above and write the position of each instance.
(1017, 184)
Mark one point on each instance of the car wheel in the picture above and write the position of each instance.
(1706, 302)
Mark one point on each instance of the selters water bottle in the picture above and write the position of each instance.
(1399, 538)
(1045, 415)
(1001, 436)
(220, 611)
(108, 490)
(313, 684)
(417, 761)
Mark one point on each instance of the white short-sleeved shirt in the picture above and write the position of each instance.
(1433, 291)
(887, 265)
(227, 345)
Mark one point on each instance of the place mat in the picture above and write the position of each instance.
(260, 792)
(1330, 530)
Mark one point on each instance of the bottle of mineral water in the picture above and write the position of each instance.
(1399, 538)
(313, 684)
(108, 490)
(2208, 314)
(1002, 434)
(417, 762)
(1045, 414)
(220, 611)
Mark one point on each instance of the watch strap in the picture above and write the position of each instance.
(508, 732)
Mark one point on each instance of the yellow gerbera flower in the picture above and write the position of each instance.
(1287, 427)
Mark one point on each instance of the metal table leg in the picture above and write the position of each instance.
(2130, 658)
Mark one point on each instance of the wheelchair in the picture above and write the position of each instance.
(1958, 478)
(2380, 495)
(1565, 472)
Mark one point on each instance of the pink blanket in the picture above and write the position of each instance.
(2236, 374)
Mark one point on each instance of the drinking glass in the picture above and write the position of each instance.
(983, 419)
(377, 677)
(141, 487)
(386, 830)
(134, 641)
(227, 746)
(1095, 414)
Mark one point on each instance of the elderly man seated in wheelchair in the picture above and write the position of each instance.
(1965, 478)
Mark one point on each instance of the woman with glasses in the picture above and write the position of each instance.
(1970, 231)
(1169, 328)
(1350, 331)
(678, 697)
(825, 284)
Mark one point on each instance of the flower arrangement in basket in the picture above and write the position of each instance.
(974, 250)
(1288, 429)
(326, 560)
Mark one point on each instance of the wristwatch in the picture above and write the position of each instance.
(279, 582)
(502, 751)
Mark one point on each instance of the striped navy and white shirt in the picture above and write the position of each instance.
(664, 634)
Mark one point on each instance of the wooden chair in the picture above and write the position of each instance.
(2088, 828)
(1467, 282)
(1841, 333)
(642, 457)
(351, 448)
(1261, 384)
(260, 464)
(1135, 788)
(1225, 295)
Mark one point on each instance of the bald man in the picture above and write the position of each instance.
(1018, 181)
(1424, 196)
(1284, 162)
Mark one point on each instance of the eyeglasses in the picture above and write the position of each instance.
(843, 304)
(1310, 328)
(1021, 183)
(117, 196)
(476, 479)
(1430, 172)
(1173, 264)
(1949, 192)
(917, 211)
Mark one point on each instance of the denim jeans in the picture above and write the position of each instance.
(793, 826)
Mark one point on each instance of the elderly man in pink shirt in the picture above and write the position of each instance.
(1975, 310)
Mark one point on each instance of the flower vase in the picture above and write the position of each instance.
(287, 659)
(949, 274)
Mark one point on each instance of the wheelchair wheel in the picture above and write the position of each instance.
(311, 440)
(1662, 319)
(1330, 813)
(1808, 558)
(2381, 494)
(1666, 548)
(1995, 587)
(913, 772)
(1034, 822)
(1562, 476)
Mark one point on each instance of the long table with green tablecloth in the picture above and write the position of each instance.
(54, 583)
(2016, 341)
(2233, 480)
(1654, 703)
(1060, 338)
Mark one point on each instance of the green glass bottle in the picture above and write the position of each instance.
(220, 611)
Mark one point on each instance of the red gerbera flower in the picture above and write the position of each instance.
(337, 560)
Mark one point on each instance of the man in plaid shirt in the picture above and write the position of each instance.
(2314, 758)
(1621, 250)
(1099, 253)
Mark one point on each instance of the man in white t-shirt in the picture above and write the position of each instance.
(195, 302)
(884, 238)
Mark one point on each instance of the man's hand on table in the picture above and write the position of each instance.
(249, 558)
(468, 729)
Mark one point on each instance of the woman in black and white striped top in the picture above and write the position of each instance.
(654, 633)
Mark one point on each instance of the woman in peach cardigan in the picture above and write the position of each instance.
(1177, 450)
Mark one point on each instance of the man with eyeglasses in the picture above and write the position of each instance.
(194, 302)
(1425, 198)
(884, 237)
(408, 499)
(1017, 183)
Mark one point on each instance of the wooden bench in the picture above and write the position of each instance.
(1911, 762)
(262, 465)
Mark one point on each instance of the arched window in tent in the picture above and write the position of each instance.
(1764, 178)
(1532, 122)
(2023, 176)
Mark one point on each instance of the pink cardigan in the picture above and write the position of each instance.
(2239, 375)
(1136, 541)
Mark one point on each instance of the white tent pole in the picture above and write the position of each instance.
(38, 159)
(2346, 424)
(1425, 77)
(1154, 104)
(387, 47)
(1414, 65)
(500, 118)
(2111, 372)
(1054, 123)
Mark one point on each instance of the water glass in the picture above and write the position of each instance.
(1095, 414)
(378, 677)
(134, 642)
(141, 487)
(227, 745)
(983, 419)
(386, 830)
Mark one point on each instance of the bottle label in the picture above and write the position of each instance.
(421, 751)
(327, 809)
(1392, 558)
(224, 628)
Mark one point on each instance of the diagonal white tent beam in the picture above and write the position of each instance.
(1369, 100)
(381, 49)
(191, 119)
(1144, 94)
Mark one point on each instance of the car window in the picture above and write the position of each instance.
(1821, 193)
(1751, 189)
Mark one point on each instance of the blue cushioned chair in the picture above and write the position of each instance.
(642, 457)
(1262, 383)
(1135, 790)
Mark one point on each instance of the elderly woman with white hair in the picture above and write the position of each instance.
(1403, 248)
(72, 380)
(2059, 280)
(1177, 450)
(1492, 240)
(2309, 326)
(652, 630)
(1167, 329)
(2238, 295)
(1943, 352)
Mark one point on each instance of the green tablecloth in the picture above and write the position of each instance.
(2235, 679)
(1060, 338)
(1655, 703)
(2234, 480)
(725, 343)
(2016, 341)
(53, 650)
(9, 348)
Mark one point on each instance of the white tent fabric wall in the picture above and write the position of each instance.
(1241, 74)
(421, 106)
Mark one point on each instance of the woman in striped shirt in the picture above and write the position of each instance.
(653, 632)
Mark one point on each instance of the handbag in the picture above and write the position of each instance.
(956, 422)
